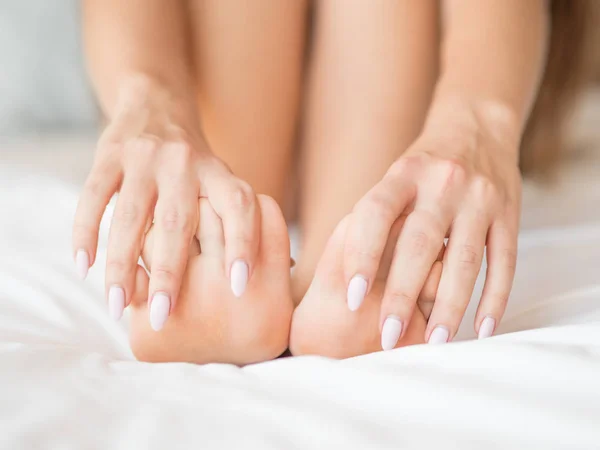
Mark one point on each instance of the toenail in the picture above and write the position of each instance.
(116, 302)
(439, 335)
(357, 289)
(159, 310)
(239, 277)
(390, 333)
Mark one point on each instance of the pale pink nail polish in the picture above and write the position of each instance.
(439, 335)
(486, 329)
(239, 277)
(390, 333)
(357, 289)
(82, 263)
(159, 310)
(116, 302)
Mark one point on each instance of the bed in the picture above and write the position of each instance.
(69, 381)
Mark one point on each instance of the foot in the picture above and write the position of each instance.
(324, 325)
(208, 323)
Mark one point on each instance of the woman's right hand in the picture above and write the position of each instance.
(154, 155)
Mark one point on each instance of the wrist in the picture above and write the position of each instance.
(467, 118)
(154, 96)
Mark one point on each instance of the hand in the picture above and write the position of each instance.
(458, 180)
(153, 154)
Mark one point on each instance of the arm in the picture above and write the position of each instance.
(460, 178)
(493, 57)
(154, 154)
(138, 43)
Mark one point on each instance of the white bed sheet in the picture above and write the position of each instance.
(68, 379)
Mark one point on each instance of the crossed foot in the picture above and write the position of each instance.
(209, 324)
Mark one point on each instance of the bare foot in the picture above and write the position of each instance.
(209, 324)
(324, 325)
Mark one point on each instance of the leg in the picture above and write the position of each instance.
(372, 76)
(249, 58)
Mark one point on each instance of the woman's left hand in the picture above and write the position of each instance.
(459, 180)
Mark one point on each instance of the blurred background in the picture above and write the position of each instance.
(43, 86)
(48, 117)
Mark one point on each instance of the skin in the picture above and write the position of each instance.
(154, 153)
(460, 178)
(424, 164)
(363, 108)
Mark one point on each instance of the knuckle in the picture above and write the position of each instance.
(94, 186)
(451, 173)
(469, 256)
(402, 166)
(145, 146)
(175, 220)
(127, 214)
(180, 155)
(165, 275)
(484, 191)
(367, 256)
(83, 231)
(243, 240)
(498, 300)
(241, 196)
(377, 206)
(418, 242)
(116, 267)
(453, 311)
(400, 297)
(508, 258)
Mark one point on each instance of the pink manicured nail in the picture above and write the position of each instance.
(116, 302)
(357, 289)
(439, 335)
(390, 333)
(239, 277)
(486, 329)
(159, 310)
(82, 263)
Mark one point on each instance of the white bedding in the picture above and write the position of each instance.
(69, 381)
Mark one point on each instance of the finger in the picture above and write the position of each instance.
(148, 248)
(419, 244)
(426, 299)
(140, 295)
(460, 269)
(129, 222)
(388, 252)
(235, 203)
(368, 230)
(210, 231)
(102, 182)
(175, 222)
(429, 292)
(501, 264)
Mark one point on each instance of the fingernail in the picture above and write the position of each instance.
(390, 333)
(439, 335)
(239, 277)
(116, 302)
(82, 263)
(159, 310)
(486, 329)
(357, 289)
